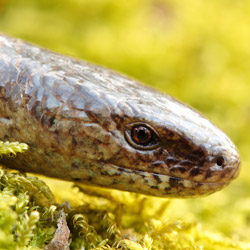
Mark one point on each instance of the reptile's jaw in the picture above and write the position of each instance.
(149, 183)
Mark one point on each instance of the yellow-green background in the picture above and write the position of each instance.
(195, 50)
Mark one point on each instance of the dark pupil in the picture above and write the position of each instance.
(220, 161)
(142, 135)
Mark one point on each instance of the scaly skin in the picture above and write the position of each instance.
(74, 116)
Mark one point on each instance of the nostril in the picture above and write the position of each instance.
(220, 161)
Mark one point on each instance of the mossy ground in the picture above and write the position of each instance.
(197, 51)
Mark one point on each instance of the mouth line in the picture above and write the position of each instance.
(171, 178)
(150, 183)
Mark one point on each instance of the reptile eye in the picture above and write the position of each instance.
(220, 161)
(141, 136)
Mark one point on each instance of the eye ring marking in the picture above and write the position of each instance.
(141, 136)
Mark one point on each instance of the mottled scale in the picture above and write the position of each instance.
(73, 115)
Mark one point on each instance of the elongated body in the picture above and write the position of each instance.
(88, 124)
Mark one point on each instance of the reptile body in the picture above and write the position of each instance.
(85, 123)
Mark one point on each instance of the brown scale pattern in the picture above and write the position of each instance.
(74, 115)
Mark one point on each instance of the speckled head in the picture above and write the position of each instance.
(148, 142)
(133, 138)
(173, 149)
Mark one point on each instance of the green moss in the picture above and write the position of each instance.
(11, 148)
(107, 219)
(195, 50)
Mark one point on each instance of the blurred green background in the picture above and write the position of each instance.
(198, 51)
